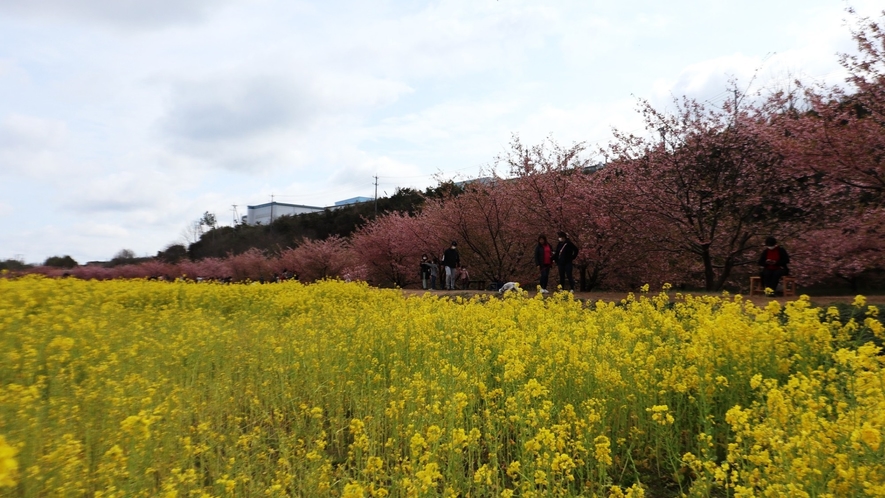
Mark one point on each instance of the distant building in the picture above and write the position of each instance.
(593, 168)
(483, 180)
(353, 200)
(265, 214)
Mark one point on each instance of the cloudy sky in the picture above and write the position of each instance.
(122, 121)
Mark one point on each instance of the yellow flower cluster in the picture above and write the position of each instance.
(8, 464)
(138, 388)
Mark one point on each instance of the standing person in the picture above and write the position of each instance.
(434, 273)
(464, 277)
(425, 271)
(564, 256)
(452, 260)
(543, 260)
(773, 260)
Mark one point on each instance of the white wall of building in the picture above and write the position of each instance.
(264, 214)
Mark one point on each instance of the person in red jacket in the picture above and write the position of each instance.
(543, 260)
(774, 261)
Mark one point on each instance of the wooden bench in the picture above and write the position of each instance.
(480, 284)
(788, 283)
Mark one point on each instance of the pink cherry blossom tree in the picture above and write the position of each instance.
(251, 265)
(837, 140)
(846, 251)
(208, 268)
(314, 260)
(559, 190)
(704, 186)
(493, 241)
(390, 248)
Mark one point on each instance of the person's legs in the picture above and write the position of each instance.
(450, 278)
(769, 279)
(561, 269)
(433, 282)
(423, 281)
(545, 276)
(571, 278)
(776, 279)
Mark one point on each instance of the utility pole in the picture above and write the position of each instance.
(376, 196)
(236, 215)
(271, 209)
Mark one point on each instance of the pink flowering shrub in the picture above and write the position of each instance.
(317, 259)
(251, 265)
(389, 248)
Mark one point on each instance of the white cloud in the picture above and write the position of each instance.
(806, 48)
(445, 39)
(448, 120)
(223, 110)
(36, 243)
(123, 192)
(708, 80)
(588, 122)
(610, 31)
(256, 122)
(100, 230)
(363, 167)
(29, 132)
(10, 70)
(127, 13)
(32, 146)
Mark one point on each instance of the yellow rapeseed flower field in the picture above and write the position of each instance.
(139, 388)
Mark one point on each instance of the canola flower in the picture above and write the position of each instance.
(138, 388)
(8, 464)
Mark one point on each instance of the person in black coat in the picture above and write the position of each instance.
(451, 260)
(774, 262)
(564, 256)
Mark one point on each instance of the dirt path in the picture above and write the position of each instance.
(878, 300)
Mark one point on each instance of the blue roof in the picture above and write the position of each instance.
(353, 200)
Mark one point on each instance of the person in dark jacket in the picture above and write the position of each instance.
(434, 272)
(774, 262)
(425, 271)
(543, 260)
(564, 256)
(451, 260)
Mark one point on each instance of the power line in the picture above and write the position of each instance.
(439, 173)
(315, 194)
